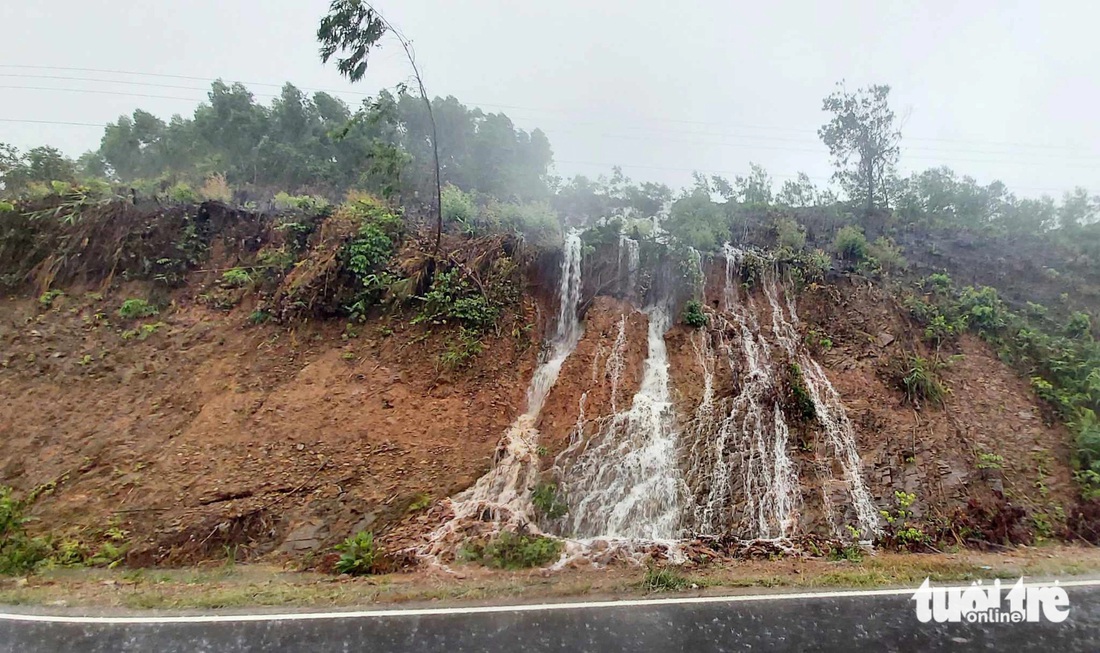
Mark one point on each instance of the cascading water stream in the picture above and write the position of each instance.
(623, 482)
(502, 495)
(751, 437)
(828, 407)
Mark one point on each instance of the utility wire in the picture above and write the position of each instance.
(936, 156)
(595, 164)
(507, 106)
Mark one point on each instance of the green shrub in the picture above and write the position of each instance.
(990, 461)
(850, 243)
(693, 315)
(308, 204)
(458, 208)
(939, 330)
(45, 300)
(367, 256)
(421, 501)
(815, 265)
(259, 316)
(547, 500)
(513, 551)
(799, 404)
(1079, 325)
(939, 282)
(236, 278)
(887, 254)
(134, 309)
(19, 553)
(182, 193)
(452, 298)
(790, 234)
(465, 349)
(358, 555)
(984, 309)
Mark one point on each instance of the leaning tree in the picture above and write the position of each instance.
(348, 32)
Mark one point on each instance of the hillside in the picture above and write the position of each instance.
(198, 382)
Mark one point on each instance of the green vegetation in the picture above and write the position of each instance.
(142, 332)
(918, 377)
(513, 551)
(850, 244)
(1061, 360)
(45, 300)
(799, 404)
(421, 501)
(789, 234)
(21, 553)
(367, 256)
(990, 461)
(453, 299)
(358, 555)
(693, 315)
(236, 278)
(663, 579)
(547, 500)
(900, 531)
(135, 309)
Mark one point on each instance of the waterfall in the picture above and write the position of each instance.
(616, 363)
(829, 408)
(624, 482)
(503, 494)
(751, 439)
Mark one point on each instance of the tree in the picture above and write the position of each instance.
(1078, 209)
(756, 188)
(798, 193)
(862, 128)
(353, 28)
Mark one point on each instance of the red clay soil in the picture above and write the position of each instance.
(586, 372)
(932, 452)
(935, 452)
(210, 433)
(213, 433)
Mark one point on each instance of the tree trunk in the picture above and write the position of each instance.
(870, 185)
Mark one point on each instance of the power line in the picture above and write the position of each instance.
(54, 122)
(507, 106)
(941, 156)
(602, 166)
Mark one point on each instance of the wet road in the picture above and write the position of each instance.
(834, 621)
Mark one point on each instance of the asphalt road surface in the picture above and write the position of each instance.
(882, 620)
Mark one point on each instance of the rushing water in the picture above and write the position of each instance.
(623, 482)
(742, 477)
(503, 494)
(828, 406)
(743, 443)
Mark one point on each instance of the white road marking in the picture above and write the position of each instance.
(486, 609)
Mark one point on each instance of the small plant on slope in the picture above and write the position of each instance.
(547, 501)
(694, 316)
(357, 555)
(134, 309)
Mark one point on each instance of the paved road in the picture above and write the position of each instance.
(836, 621)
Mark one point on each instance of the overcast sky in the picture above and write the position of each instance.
(992, 88)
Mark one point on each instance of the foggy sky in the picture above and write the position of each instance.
(994, 89)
